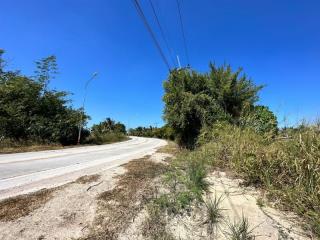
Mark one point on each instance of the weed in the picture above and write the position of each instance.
(239, 230)
(213, 213)
(260, 202)
(196, 173)
(175, 203)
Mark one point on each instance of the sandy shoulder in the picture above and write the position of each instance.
(68, 214)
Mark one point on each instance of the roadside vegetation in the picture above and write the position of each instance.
(216, 120)
(35, 117)
(107, 131)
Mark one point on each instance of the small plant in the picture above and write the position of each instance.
(260, 202)
(175, 203)
(196, 173)
(240, 230)
(213, 213)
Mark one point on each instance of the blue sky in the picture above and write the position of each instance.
(277, 42)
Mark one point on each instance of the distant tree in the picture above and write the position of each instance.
(107, 126)
(120, 128)
(164, 132)
(46, 70)
(107, 131)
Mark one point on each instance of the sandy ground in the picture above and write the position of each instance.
(237, 202)
(71, 211)
(264, 221)
(67, 215)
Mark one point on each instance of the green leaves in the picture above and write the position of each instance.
(30, 111)
(46, 70)
(260, 119)
(195, 100)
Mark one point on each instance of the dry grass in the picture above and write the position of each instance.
(19, 147)
(118, 207)
(171, 148)
(88, 179)
(20, 206)
(287, 170)
(32, 148)
(155, 225)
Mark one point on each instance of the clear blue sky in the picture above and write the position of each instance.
(277, 42)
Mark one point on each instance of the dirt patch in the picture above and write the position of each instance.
(117, 208)
(17, 207)
(88, 179)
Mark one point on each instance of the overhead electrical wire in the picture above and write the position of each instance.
(183, 33)
(162, 33)
(144, 19)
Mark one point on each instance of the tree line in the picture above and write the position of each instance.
(32, 112)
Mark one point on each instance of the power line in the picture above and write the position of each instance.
(183, 33)
(144, 19)
(162, 32)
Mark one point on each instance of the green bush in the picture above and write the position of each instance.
(260, 119)
(107, 131)
(103, 138)
(195, 100)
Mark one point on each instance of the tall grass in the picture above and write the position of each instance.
(288, 168)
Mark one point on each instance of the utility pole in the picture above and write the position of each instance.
(178, 62)
(1, 61)
(83, 103)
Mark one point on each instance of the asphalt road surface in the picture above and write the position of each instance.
(26, 172)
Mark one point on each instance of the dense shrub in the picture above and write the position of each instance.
(260, 119)
(107, 131)
(194, 100)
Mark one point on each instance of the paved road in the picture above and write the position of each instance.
(24, 172)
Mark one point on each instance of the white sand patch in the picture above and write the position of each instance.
(265, 222)
(67, 215)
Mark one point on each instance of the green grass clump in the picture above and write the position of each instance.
(175, 203)
(240, 230)
(196, 174)
(214, 214)
(185, 179)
